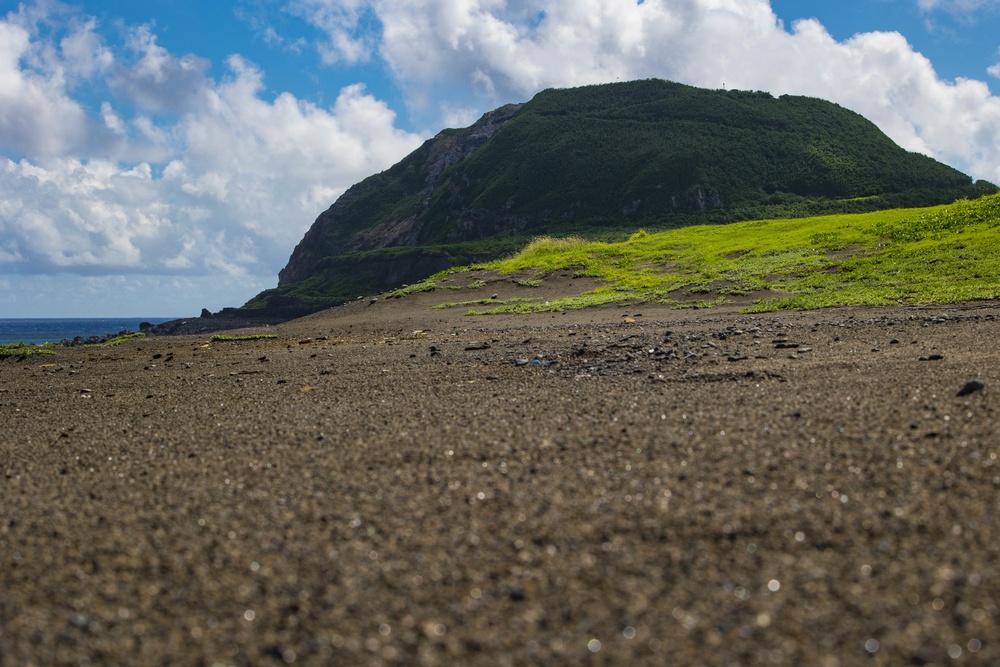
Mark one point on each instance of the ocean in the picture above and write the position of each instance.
(53, 330)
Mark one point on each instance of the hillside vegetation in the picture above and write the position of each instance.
(659, 151)
(601, 162)
(942, 254)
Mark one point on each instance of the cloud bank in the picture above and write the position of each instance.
(458, 57)
(176, 174)
(195, 183)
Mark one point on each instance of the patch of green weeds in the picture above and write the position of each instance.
(598, 297)
(428, 285)
(118, 340)
(529, 282)
(22, 350)
(703, 303)
(223, 338)
(479, 302)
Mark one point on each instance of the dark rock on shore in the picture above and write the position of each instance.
(93, 340)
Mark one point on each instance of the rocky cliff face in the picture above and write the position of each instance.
(327, 236)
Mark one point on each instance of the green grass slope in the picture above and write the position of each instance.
(942, 254)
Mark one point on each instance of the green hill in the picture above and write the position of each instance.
(600, 162)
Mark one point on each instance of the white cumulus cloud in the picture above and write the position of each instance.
(344, 23)
(38, 116)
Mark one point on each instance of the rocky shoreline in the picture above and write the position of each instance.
(208, 322)
(387, 484)
(80, 341)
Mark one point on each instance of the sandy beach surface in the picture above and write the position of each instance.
(388, 484)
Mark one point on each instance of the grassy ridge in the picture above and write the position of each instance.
(943, 254)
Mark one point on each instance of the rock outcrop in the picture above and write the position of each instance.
(432, 159)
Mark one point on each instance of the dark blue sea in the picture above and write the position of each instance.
(51, 330)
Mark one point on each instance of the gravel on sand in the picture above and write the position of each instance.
(384, 484)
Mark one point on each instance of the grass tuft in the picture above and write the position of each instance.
(428, 285)
(118, 340)
(22, 350)
(223, 338)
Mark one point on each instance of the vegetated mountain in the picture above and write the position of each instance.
(601, 162)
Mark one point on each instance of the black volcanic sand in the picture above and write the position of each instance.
(386, 484)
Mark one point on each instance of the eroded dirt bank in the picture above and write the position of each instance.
(384, 484)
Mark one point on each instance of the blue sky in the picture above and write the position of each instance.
(161, 156)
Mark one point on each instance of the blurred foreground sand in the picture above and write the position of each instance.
(384, 484)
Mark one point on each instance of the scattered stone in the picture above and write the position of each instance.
(932, 357)
(477, 345)
(970, 387)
